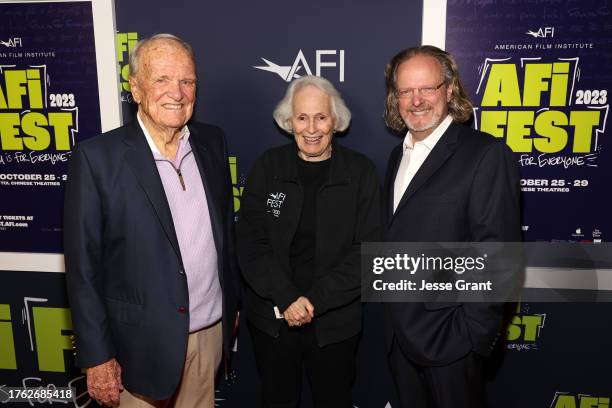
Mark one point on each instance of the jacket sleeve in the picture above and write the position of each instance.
(494, 202)
(342, 284)
(258, 263)
(494, 216)
(83, 230)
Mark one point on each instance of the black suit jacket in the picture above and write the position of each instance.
(126, 282)
(467, 190)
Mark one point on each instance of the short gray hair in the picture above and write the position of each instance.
(284, 110)
(144, 43)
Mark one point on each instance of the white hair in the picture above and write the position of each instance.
(284, 110)
(140, 45)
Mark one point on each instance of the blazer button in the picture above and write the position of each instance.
(181, 271)
(182, 310)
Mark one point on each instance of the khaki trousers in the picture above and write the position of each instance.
(197, 386)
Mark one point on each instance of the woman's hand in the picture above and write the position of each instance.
(299, 312)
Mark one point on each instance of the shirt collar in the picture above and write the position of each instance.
(183, 138)
(430, 141)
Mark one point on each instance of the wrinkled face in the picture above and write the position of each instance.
(164, 86)
(313, 123)
(422, 113)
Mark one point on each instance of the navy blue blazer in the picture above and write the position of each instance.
(467, 190)
(126, 282)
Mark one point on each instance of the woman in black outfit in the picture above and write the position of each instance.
(305, 210)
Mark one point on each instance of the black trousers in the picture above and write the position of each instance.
(330, 369)
(460, 384)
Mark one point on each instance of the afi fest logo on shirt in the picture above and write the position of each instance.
(274, 203)
(327, 59)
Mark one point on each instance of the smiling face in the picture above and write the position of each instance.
(164, 87)
(422, 114)
(313, 123)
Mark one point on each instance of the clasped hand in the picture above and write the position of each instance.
(299, 312)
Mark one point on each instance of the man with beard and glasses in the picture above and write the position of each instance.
(445, 182)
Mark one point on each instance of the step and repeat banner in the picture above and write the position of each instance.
(539, 74)
(55, 91)
(48, 102)
(549, 102)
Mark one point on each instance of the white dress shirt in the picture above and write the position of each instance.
(413, 157)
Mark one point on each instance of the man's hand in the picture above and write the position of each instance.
(104, 382)
(299, 312)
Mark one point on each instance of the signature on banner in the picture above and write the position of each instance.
(35, 157)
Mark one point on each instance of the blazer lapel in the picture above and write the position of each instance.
(207, 165)
(396, 158)
(445, 147)
(140, 159)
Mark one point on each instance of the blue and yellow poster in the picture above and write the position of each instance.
(539, 75)
(48, 102)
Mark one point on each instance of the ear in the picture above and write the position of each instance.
(136, 94)
(449, 92)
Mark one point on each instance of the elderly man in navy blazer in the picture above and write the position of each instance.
(446, 182)
(152, 279)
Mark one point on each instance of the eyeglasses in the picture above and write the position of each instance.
(409, 92)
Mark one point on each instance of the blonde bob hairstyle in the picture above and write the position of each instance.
(284, 110)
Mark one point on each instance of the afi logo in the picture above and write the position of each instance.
(12, 42)
(323, 59)
(542, 32)
(274, 202)
(565, 400)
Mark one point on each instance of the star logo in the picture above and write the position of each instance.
(287, 72)
(532, 33)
